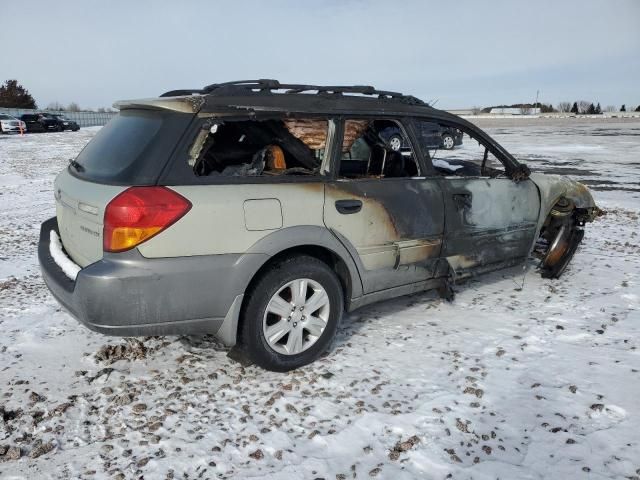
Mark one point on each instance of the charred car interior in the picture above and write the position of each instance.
(268, 147)
(297, 147)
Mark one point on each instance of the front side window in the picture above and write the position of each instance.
(454, 152)
(292, 146)
(376, 148)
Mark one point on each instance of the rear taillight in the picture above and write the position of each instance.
(139, 213)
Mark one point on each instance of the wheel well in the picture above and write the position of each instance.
(321, 253)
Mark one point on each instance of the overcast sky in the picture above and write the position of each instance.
(462, 53)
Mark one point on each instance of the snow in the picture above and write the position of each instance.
(439, 163)
(519, 377)
(67, 265)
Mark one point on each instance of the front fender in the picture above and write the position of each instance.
(554, 187)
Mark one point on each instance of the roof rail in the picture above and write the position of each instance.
(268, 85)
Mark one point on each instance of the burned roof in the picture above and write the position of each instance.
(263, 96)
(270, 86)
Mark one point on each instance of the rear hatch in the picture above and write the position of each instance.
(131, 150)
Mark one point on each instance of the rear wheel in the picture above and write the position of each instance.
(447, 141)
(291, 314)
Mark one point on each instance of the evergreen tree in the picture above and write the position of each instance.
(14, 95)
(592, 109)
(598, 109)
(574, 109)
(638, 108)
(623, 108)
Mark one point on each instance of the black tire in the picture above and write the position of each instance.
(561, 250)
(448, 142)
(251, 336)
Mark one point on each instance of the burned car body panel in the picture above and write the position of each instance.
(394, 247)
(554, 187)
(488, 220)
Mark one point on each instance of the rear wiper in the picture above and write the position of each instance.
(76, 165)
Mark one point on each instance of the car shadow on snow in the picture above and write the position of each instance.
(359, 320)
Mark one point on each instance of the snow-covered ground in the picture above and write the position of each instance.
(520, 377)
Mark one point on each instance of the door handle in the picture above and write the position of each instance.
(347, 207)
(462, 201)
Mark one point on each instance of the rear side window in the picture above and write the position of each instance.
(293, 146)
(132, 148)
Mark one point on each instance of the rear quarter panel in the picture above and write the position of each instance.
(232, 218)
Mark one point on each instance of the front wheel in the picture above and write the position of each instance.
(563, 246)
(291, 314)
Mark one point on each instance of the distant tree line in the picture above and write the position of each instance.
(525, 108)
(580, 107)
(14, 95)
(74, 107)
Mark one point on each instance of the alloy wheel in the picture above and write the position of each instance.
(296, 316)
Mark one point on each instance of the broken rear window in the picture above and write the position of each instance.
(260, 147)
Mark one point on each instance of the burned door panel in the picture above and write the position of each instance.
(489, 220)
(397, 231)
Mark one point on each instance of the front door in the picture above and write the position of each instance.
(490, 219)
(389, 216)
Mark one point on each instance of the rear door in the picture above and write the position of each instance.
(383, 209)
(80, 212)
(132, 149)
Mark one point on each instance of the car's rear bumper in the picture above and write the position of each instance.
(127, 294)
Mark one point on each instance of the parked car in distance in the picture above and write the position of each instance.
(38, 122)
(432, 135)
(9, 124)
(64, 122)
(259, 212)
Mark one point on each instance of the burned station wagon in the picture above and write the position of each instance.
(260, 211)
